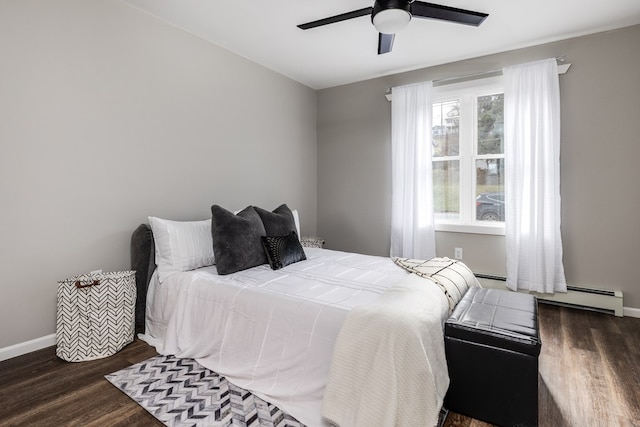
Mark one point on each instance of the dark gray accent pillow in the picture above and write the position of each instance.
(236, 239)
(280, 222)
(283, 250)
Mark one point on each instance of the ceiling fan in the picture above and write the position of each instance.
(391, 16)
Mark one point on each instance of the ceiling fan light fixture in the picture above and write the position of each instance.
(390, 16)
(391, 21)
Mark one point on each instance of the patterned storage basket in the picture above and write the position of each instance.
(96, 315)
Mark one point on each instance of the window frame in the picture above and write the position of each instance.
(468, 93)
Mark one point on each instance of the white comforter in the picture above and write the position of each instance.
(271, 332)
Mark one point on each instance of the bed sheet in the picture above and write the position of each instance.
(271, 332)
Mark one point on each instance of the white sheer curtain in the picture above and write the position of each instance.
(412, 229)
(532, 190)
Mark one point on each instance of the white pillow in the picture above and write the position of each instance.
(181, 245)
(296, 219)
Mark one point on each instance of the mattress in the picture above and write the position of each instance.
(271, 332)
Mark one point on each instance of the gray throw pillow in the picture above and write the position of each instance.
(236, 239)
(280, 222)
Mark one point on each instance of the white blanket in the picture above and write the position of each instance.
(389, 366)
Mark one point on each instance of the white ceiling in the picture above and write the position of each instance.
(265, 32)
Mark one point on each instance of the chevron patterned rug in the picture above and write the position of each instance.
(181, 392)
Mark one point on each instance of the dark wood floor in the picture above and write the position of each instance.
(589, 376)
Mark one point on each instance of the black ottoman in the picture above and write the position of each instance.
(492, 344)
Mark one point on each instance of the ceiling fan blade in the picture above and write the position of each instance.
(420, 9)
(337, 18)
(385, 43)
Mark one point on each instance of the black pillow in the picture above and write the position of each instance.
(236, 239)
(280, 222)
(283, 250)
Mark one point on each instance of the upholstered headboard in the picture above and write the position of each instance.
(143, 262)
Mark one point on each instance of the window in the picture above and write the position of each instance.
(468, 156)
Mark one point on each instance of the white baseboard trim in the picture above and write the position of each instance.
(632, 312)
(27, 347)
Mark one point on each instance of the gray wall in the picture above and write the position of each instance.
(108, 115)
(599, 155)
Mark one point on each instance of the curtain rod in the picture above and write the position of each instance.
(563, 66)
(561, 60)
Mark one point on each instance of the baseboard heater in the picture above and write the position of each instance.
(594, 299)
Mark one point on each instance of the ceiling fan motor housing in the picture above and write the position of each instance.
(390, 16)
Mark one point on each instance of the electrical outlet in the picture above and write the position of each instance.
(457, 253)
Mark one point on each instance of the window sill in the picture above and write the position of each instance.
(477, 228)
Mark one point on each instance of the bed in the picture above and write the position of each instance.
(334, 338)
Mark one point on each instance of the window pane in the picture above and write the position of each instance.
(490, 190)
(446, 189)
(491, 124)
(446, 126)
